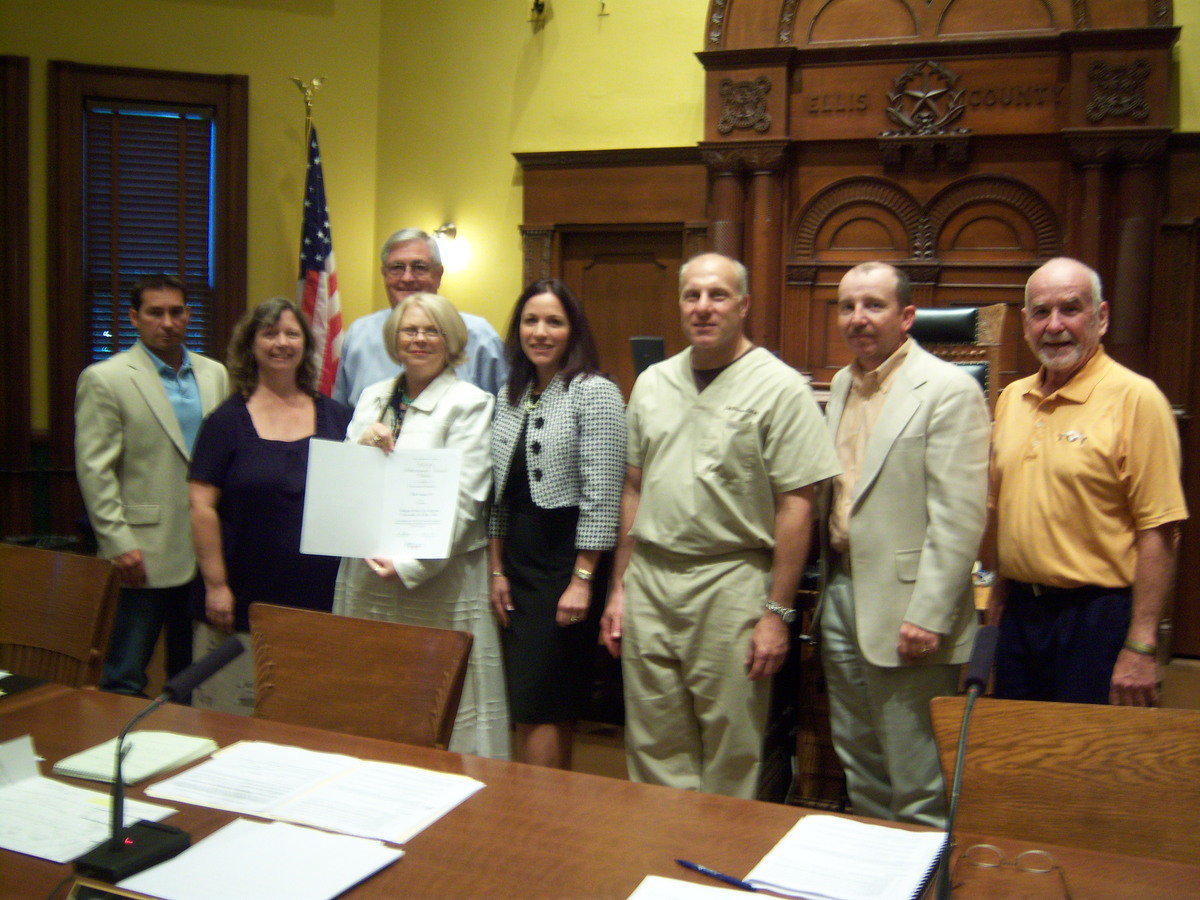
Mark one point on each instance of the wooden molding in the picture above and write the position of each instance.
(1126, 146)
(573, 159)
(747, 156)
(69, 83)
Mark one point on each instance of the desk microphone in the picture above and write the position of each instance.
(143, 844)
(979, 670)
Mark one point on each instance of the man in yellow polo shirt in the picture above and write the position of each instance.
(725, 446)
(1088, 501)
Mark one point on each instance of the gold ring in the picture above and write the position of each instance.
(574, 619)
(378, 439)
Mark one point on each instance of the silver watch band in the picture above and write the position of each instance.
(787, 614)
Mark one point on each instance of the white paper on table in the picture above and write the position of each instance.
(251, 777)
(655, 887)
(265, 861)
(52, 820)
(361, 503)
(386, 801)
(832, 857)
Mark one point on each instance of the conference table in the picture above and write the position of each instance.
(531, 832)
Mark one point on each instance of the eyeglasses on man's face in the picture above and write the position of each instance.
(410, 333)
(419, 267)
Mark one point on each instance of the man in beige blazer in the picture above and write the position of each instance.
(900, 533)
(136, 418)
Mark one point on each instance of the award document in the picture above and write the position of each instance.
(360, 503)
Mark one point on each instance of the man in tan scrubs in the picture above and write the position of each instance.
(725, 446)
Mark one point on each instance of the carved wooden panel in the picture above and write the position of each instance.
(814, 23)
(628, 282)
(971, 243)
(616, 225)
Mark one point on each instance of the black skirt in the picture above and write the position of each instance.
(548, 667)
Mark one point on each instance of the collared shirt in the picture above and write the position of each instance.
(183, 392)
(713, 462)
(868, 393)
(365, 359)
(1078, 472)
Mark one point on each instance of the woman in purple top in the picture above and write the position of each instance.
(247, 487)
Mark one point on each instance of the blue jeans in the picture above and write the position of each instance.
(141, 614)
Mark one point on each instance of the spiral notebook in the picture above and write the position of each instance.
(832, 858)
(151, 753)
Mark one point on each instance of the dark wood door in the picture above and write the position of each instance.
(627, 280)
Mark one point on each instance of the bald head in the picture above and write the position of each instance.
(1064, 317)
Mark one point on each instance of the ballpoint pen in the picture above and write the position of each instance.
(713, 873)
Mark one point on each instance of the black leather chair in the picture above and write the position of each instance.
(968, 336)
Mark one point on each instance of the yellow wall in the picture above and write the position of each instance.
(269, 41)
(425, 104)
(492, 84)
(1187, 54)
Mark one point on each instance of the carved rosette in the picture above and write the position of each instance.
(538, 246)
(1118, 92)
(744, 105)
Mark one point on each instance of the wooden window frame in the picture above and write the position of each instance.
(70, 85)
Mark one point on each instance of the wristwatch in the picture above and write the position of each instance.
(788, 615)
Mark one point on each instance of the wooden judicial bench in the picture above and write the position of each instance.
(531, 832)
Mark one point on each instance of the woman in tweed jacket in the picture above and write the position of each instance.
(558, 458)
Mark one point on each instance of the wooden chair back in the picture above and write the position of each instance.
(357, 676)
(1111, 778)
(56, 614)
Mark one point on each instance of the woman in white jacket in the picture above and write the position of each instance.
(427, 407)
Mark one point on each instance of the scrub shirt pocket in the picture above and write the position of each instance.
(727, 450)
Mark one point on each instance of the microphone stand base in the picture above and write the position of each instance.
(140, 846)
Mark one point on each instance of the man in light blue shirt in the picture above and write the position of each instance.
(137, 414)
(412, 263)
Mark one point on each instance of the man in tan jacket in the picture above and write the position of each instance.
(136, 418)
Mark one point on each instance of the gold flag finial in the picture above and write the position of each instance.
(308, 89)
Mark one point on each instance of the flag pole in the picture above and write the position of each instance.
(317, 290)
(309, 90)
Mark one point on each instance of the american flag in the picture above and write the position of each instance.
(318, 275)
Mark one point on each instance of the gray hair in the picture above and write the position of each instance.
(1095, 288)
(743, 277)
(404, 236)
(445, 317)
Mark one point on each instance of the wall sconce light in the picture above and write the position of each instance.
(537, 12)
(603, 9)
(455, 251)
